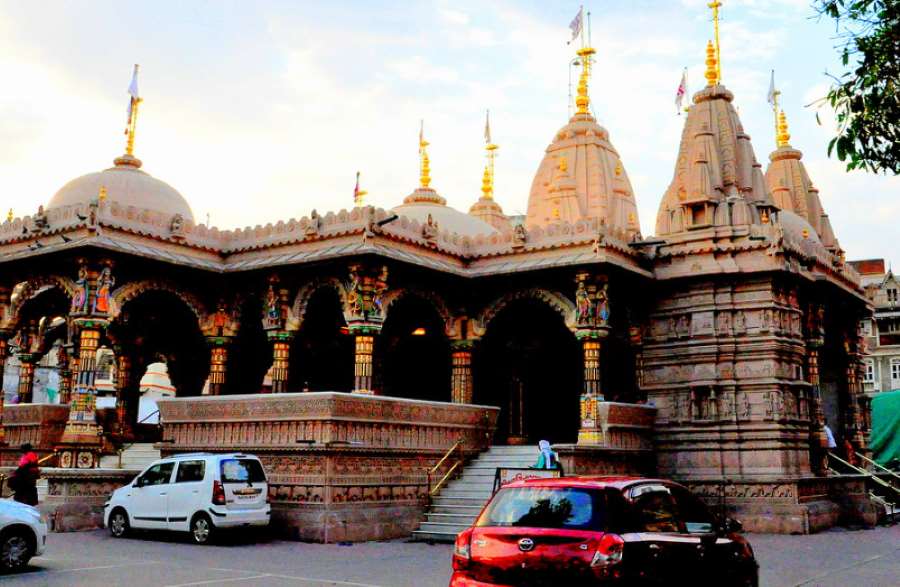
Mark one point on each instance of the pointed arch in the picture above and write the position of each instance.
(134, 289)
(557, 301)
(429, 296)
(305, 293)
(29, 289)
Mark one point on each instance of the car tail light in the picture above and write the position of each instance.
(609, 551)
(218, 493)
(462, 550)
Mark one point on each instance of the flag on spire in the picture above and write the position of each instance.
(135, 96)
(773, 93)
(356, 190)
(487, 127)
(681, 91)
(575, 25)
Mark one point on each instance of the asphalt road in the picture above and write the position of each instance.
(864, 558)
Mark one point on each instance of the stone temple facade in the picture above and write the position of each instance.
(352, 349)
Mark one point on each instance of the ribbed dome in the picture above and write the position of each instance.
(582, 177)
(425, 202)
(126, 185)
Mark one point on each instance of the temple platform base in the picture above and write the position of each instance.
(791, 506)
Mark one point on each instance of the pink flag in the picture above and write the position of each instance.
(681, 91)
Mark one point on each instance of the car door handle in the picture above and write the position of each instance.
(162, 493)
(654, 547)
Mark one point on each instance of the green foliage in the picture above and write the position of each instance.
(866, 97)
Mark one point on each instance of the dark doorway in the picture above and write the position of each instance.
(414, 352)
(530, 366)
(165, 329)
(250, 355)
(322, 354)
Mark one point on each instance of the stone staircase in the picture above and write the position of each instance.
(135, 457)
(460, 501)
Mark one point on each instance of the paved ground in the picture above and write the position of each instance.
(840, 558)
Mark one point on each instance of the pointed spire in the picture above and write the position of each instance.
(487, 180)
(424, 163)
(712, 72)
(783, 137)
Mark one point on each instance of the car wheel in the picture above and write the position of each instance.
(118, 523)
(16, 549)
(201, 529)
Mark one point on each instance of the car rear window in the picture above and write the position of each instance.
(547, 507)
(242, 471)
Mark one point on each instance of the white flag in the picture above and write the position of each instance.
(575, 25)
(772, 91)
(487, 127)
(681, 91)
(133, 91)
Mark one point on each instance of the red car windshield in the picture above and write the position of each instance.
(547, 507)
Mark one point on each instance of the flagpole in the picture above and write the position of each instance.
(132, 122)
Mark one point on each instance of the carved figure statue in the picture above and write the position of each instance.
(381, 287)
(105, 283)
(603, 304)
(272, 309)
(520, 235)
(584, 308)
(354, 294)
(82, 291)
(430, 229)
(176, 227)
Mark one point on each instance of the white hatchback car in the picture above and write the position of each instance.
(197, 493)
(23, 534)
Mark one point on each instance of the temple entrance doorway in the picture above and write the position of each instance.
(529, 365)
(322, 353)
(414, 352)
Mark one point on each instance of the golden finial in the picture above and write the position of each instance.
(10, 216)
(132, 111)
(101, 195)
(487, 181)
(583, 101)
(783, 135)
(487, 184)
(712, 75)
(424, 164)
(715, 5)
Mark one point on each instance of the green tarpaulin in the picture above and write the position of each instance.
(885, 439)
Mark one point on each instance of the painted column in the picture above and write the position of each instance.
(461, 371)
(64, 363)
(81, 441)
(218, 362)
(3, 353)
(363, 364)
(818, 440)
(592, 326)
(853, 418)
(281, 355)
(25, 389)
(123, 376)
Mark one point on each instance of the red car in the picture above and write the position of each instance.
(599, 531)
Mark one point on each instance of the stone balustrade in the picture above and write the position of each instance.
(40, 425)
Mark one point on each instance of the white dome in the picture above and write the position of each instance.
(126, 185)
(425, 202)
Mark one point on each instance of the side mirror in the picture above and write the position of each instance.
(139, 482)
(732, 526)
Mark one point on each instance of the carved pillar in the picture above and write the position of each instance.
(853, 418)
(364, 307)
(25, 389)
(3, 353)
(123, 377)
(592, 326)
(461, 387)
(64, 364)
(281, 355)
(818, 440)
(218, 362)
(362, 365)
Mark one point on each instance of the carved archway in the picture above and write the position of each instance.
(27, 290)
(440, 306)
(134, 289)
(301, 300)
(557, 301)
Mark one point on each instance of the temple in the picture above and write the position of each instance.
(352, 350)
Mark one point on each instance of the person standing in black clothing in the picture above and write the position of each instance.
(23, 480)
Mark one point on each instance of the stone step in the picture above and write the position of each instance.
(453, 529)
(428, 536)
(511, 450)
(461, 510)
(454, 519)
(475, 502)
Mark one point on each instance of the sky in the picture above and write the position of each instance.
(262, 111)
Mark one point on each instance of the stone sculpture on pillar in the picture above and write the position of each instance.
(364, 306)
(592, 312)
(275, 310)
(220, 329)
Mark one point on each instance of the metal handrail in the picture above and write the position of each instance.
(457, 446)
(874, 478)
(883, 468)
(124, 448)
